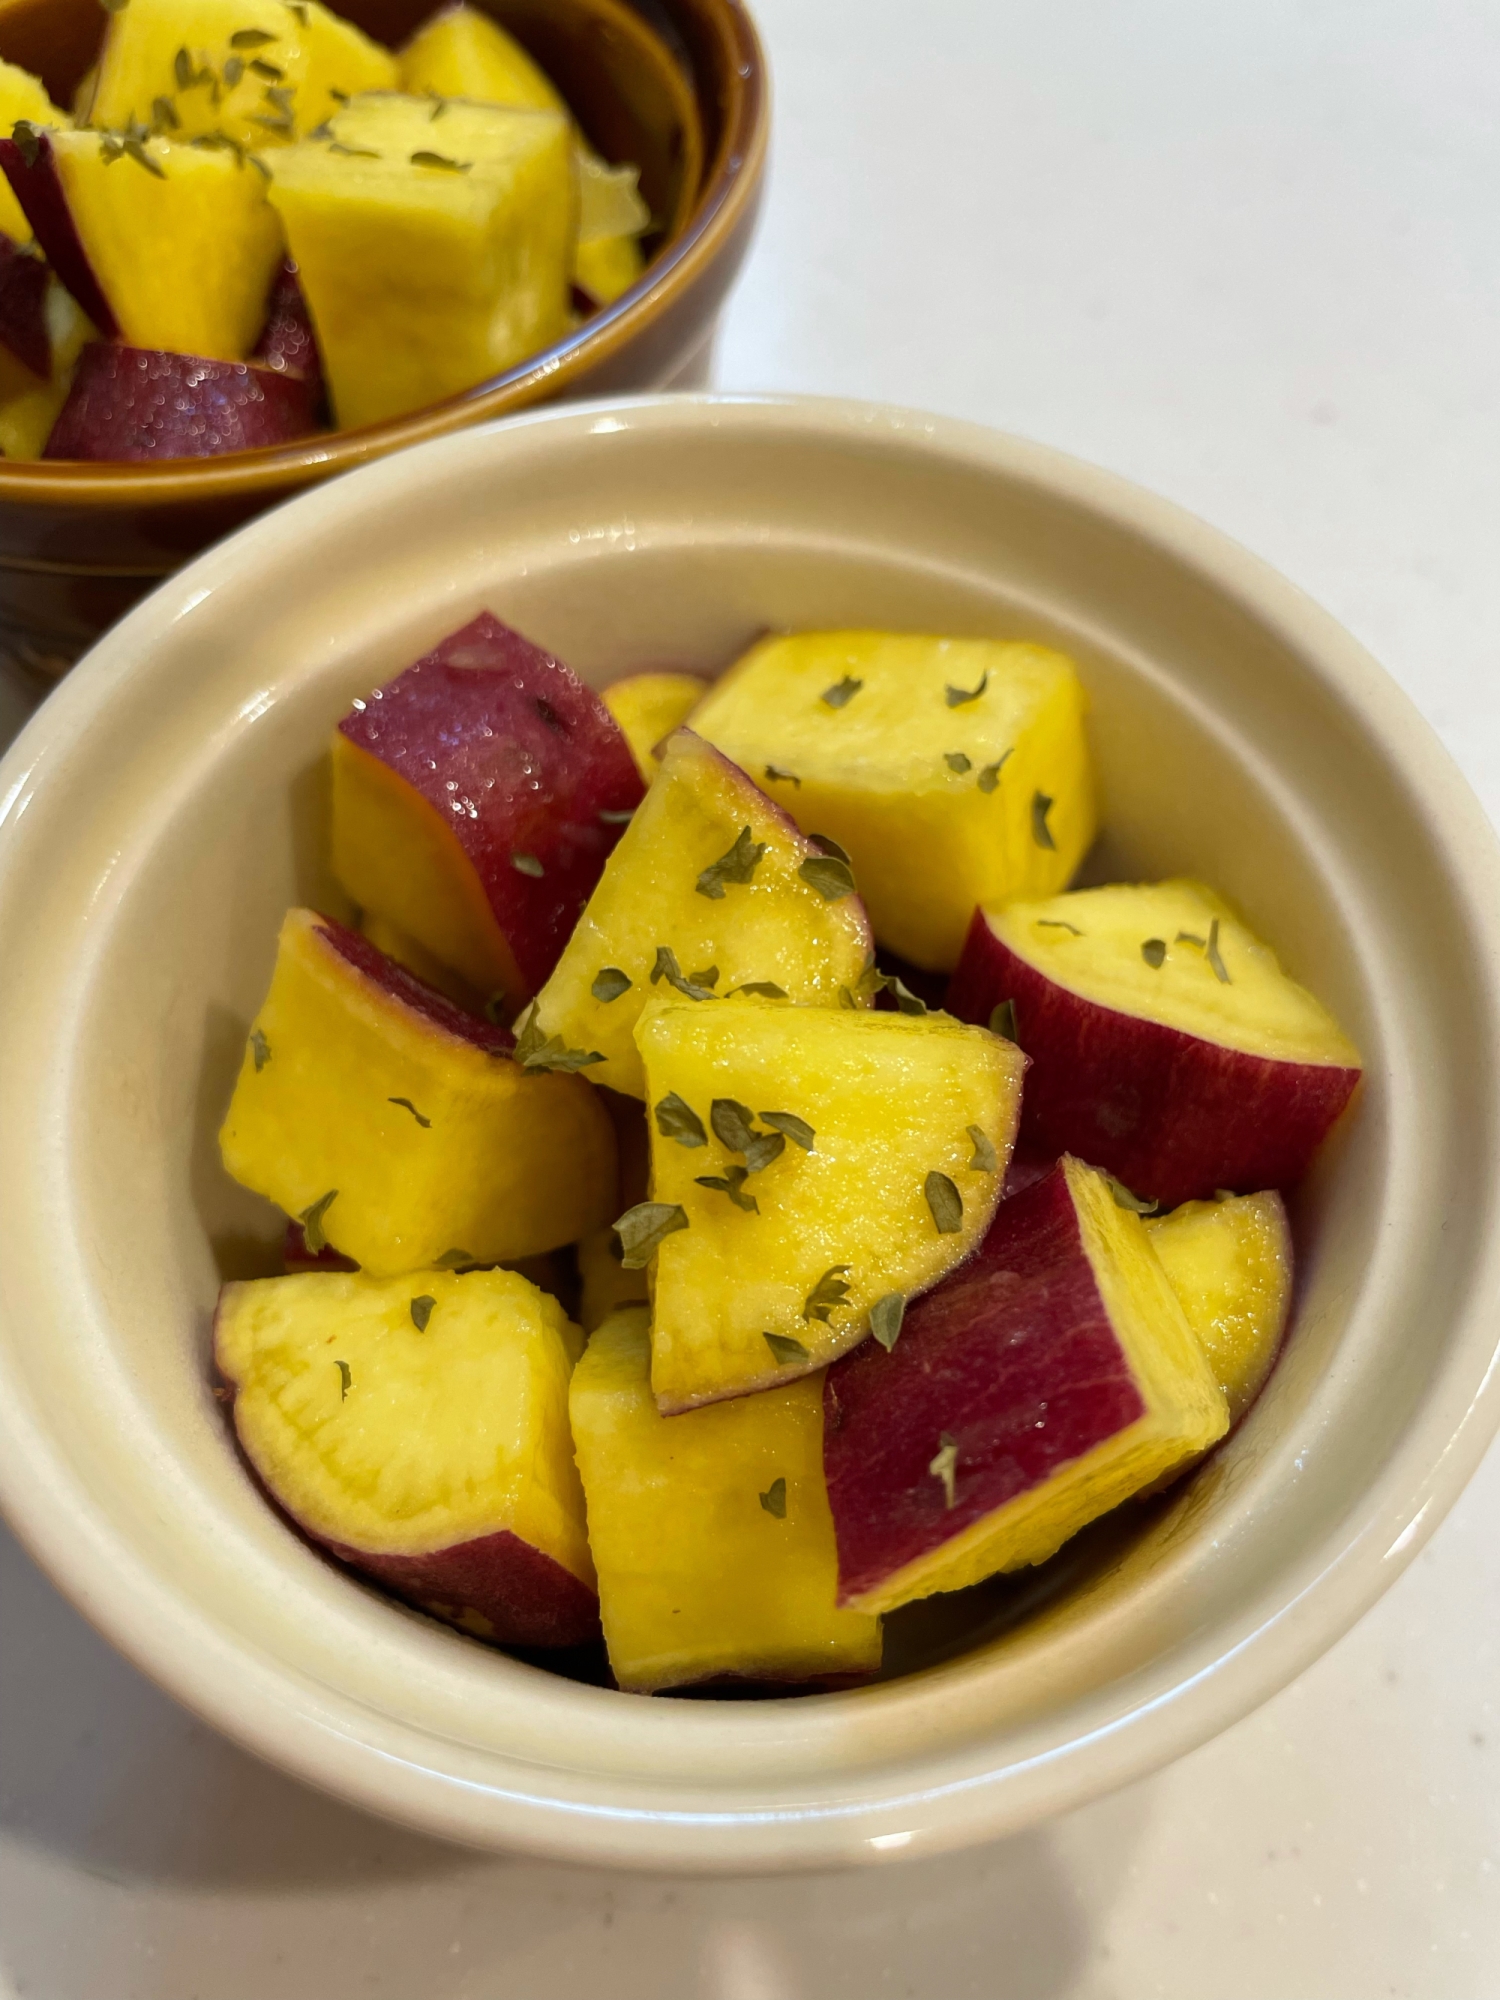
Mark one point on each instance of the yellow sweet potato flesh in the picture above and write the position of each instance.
(185, 255)
(22, 96)
(463, 53)
(28, 404)
(507, 1164)
(427, 1436)
(1090, 942)
(1185, 1414)
(890, 1099)
(698, 1575)
(231, 49)
(391, 846)
(1230, 1263)
(648, 707)
(433, 253)
(776, 927)
(928, 841)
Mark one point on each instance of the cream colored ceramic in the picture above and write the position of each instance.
(166, 805)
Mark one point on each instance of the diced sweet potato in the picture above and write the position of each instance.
(461, 52)
(23, 99)
(648, 707)
(418, 1428)
(1166, 1043)
(954, 771)
(258, 72)
(1050, 1379)
(402, 1127)
(131, 403)
(476, 798)
(433, 252)
(163, 244)
(710, 878)
(1230, 1263)
(820, 1165)
(29, 403)
(710, 1532)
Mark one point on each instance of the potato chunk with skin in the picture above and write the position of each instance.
(648, 707)
(225, 84)
(1050, 1379)
(1166, 1042)
(403, 1126)
(1230, 1263)
(954, 771)
(709, 871)
(167, 247)
(883, 1142)
(710, 1532)
(433, 254)
(418, 1428)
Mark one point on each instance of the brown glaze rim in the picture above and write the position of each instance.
(729, 188)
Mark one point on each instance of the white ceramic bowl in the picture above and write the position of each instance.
(165, 806)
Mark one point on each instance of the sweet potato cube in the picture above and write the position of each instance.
(401, 1127)
(1166, 1042)
(461, 52)
(823, 1161)
(648, 707)
(954, 771)
(30, 403)
(164, 245)
(258, 72)
(1230, 1263)
(709, 878)
(433, 252)
(1044, 1383)
(476, 798)
(418, 1428)
(710, 1532)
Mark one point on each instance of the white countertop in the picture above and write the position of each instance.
(1250, 257)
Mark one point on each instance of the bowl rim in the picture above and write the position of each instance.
(728, 190)
(273, 1710)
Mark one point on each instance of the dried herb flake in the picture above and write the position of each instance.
(260, 1049)
(763, 1149)
(766, 988)
(1057, 924)
(537, 1050)
(421, 1311)
(732, 1183)
(311, 1219)
(452, 1260)
(774, 1497)
(886, 1316)
(960, 697)
(607, 816)
(1154, 951)
(345, 1378)
(666, 967)
(1003, 1021)
(426, 159)
(828, 1295)
(28, 140)
(642, 1228)
(1125, 1199)
(989, 777)
(738, 865)
(1211, 953)
(407, 1105)
(527, 864)
(250, 38)
(164, 113)
(1041, 833)
(776, 777)
(946, 1203)
(840, 695)
(733, 1123)
(831, 877)
(957, 761)
(788, 1352)
(676, 1119)
(796, 1129)
(985, 1160)
(609, 983)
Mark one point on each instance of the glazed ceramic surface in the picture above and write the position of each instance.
(677, 87)
(166, 805)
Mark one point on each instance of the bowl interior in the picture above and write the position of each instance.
(169, 804)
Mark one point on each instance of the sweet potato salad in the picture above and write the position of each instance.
(734, 1186)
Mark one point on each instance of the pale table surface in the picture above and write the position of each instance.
(1250, 257)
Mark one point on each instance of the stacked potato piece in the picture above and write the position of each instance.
(895, 1302)
(257, 211)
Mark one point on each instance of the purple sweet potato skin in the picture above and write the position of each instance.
(37, 187)
(526, 1598)
(411, 991)
(287, 343)
(23, 307)
(135, 403)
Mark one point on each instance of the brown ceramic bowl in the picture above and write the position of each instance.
(678, 87)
